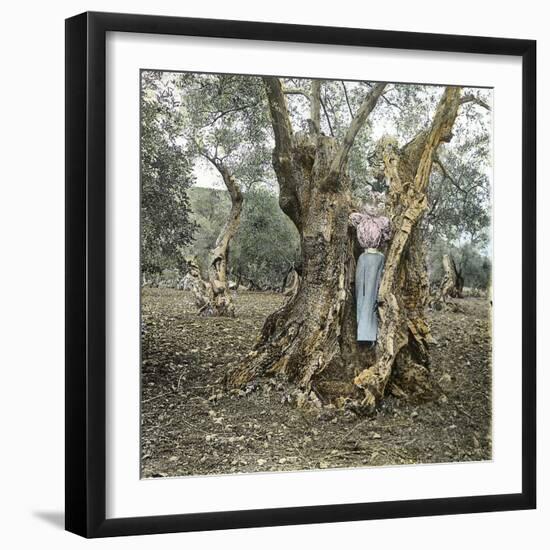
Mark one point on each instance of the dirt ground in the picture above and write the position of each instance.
(190, 426)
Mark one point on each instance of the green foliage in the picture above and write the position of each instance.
(267, 243)
(460, 190)
(265, 246)
(166, 174)
(224, 118)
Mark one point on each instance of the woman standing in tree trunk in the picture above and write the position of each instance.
(373, 230)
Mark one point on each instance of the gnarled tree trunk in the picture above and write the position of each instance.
(311, 340)
(213, 296)
(452, 283)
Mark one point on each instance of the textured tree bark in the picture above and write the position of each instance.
(452, 282)
(303, 338)
(223, 303)
(201, 289)
(311, 340)
(216, 297)
(291, 282)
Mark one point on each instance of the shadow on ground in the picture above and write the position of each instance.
(57, 519)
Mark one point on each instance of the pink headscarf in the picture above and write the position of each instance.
(372, 230)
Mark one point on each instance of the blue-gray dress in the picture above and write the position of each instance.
(367, 280)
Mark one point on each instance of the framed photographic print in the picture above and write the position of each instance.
(300, 274)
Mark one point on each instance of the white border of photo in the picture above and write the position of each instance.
(127, 494)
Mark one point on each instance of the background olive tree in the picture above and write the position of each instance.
(166, 176)
(223, 123)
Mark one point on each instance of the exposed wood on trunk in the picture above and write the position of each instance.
(404, 333)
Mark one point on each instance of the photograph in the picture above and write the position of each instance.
(316, 273)
(274, 275)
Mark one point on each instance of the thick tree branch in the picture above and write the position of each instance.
(283, 151)
(280, 119)
(315, 107)
(316, 103)
(357, 123)
(440, 131)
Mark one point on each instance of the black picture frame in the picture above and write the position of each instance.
(86, 284)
